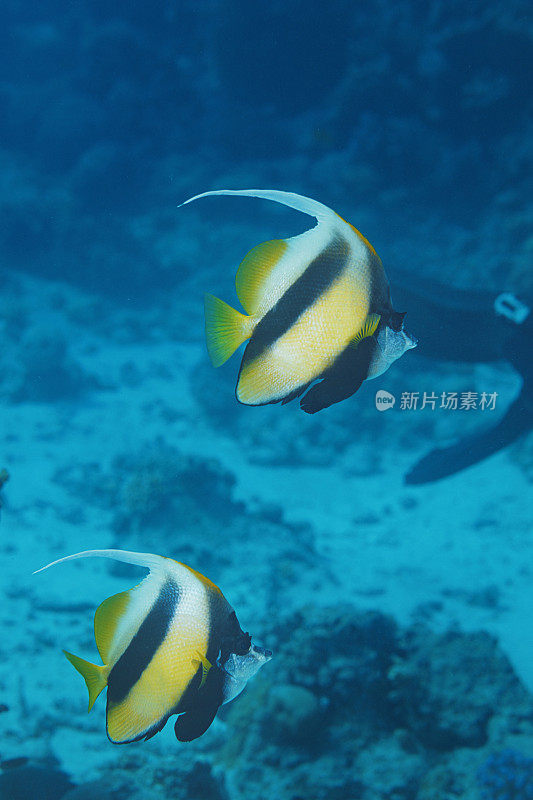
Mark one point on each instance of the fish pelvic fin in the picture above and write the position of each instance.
(368, 328)
(95, 676)
(225, 329)
(297, 201)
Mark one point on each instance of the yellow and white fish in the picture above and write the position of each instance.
(317, 308)
(171, 645)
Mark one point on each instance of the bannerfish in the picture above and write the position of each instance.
(171, 645)
(318, 308)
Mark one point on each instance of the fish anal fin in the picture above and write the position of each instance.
(254, 270)
(342, 380)
(95, 676)
(201, 713)
(225, 329)
(296, 393)
(106, 619)
(368, 328)
(192, 724)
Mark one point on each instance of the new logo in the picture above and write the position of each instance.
(384, 400)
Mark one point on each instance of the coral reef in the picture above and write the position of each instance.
(413, 121)
(354, 706)
(154, 486)
(37, 363)
(97, 790)
(506, 775)
(23, 783)
(177, 504)
(95, 143)
(447, 695)
(46, 372)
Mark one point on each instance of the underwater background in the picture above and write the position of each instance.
(400, 615)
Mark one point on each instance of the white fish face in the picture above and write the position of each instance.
(239, 669)
(390, 346)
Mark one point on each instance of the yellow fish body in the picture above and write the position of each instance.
(164, 646)
(311, 301)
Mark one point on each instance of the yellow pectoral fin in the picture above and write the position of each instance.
(225, 329)
(94, 676)
(369, 326)
(254, 270)
(206, 666)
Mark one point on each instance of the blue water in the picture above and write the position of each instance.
(398, 609)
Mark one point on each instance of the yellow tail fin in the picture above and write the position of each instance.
(225, 329)
(95, 676)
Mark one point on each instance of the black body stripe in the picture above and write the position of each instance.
(144, 644)
(318, 276)
(380, 302)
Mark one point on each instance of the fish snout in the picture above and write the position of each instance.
(262, 653)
